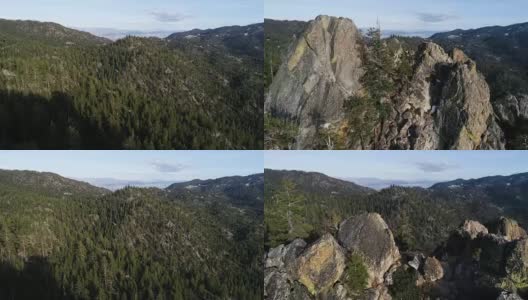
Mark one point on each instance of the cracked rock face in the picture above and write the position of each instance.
(320, 265)
(369, 236)
(512, 109)
(322, 69)
(446, 106)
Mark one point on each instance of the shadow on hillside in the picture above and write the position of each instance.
(29, 121)
(34, 281)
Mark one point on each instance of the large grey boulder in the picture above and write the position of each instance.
(321, 71)
(369, 236)
(320, 265)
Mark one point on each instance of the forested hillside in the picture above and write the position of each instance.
(294, 210)
(455, 240)
(65, 89)
(59, 240)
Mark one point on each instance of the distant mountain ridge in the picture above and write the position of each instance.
(53, 183)
(44, 31)
(316, 183)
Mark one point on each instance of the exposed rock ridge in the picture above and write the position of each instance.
(446, 104)
(317, 271)
(322, 69)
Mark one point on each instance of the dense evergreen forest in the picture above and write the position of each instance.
(62, 239)
(294, 209)
(65, 89)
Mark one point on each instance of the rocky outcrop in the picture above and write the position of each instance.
(511, 109)
(433, 269)
(509, 296)
(278, 264)
(317, 271)
(473, 229)
(320, 265)
(485, 260)
(446, 106)
(322, 69)
(369, 236)
(378, 293)
(508, 228)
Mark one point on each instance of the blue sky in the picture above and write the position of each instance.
(407, 15)
(381, 168)
(145, 15)
(102, 167)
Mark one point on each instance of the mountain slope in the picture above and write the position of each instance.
(241, 41)
(135, 93)
(316, 183)
(239, 191)
(51, 184)
(507, 192)
(47, 32)
(132, 243)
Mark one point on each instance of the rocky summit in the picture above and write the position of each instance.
(436, 100)
(475, 263)
(322, 69)
(446, 106)
(323, 269)
(369, 236)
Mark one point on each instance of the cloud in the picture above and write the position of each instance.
(434, 18)
(166, 17)
(434, 167)
(168, 168)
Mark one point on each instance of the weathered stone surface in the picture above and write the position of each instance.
(338, 292)
(320, 265)
(493, 248)
(508, 228)
(378, 293)
(322, 69)
(511, 109)
(447, 105)
(508, 296)
(473, 228)
(415, 260)
(276, 285)
(369, 236)
(282, 256)
(274, 258)
(516, 263)
(433, 269)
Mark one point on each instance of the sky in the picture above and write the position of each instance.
(378, 169)
(142, 15)
(114, 169)
(406, 15)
